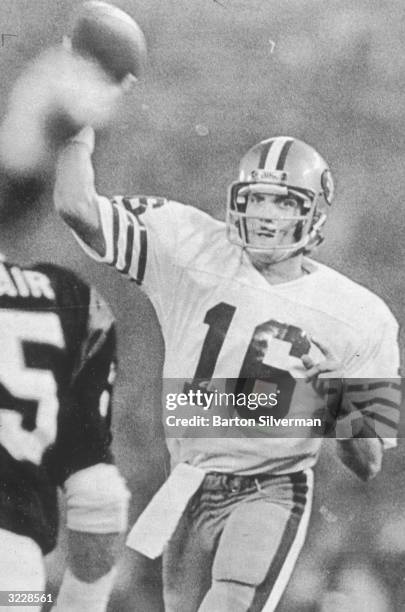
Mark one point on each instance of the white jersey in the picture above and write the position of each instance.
(222, 322)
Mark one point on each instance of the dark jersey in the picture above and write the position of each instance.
(57, 359)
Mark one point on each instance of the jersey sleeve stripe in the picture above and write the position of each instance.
(126, 230)
(382, 419)
(125, 238)
(132, 230)
(115, 233)
(123, 256)
(129, 247)
(374, 386)
(376, 401)
(134, 215)
(142, 252)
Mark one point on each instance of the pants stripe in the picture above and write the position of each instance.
(269, 593)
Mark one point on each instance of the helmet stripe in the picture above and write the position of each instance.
(283, 155)
(264, 153)
(272, 155)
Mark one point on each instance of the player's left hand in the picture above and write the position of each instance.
(328, 368)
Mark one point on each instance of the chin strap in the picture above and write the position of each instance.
(315, 237)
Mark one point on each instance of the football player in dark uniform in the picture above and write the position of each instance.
(57, 364)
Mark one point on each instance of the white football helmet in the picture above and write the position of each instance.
(287, 168)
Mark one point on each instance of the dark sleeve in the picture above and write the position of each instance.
(86, 435)
(368, 408)
(85, 385)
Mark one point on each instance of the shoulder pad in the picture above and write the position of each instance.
(138, 204)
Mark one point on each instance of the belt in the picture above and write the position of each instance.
(219, 481)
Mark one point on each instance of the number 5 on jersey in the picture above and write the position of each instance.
(28, 392)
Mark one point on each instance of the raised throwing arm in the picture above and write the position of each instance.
(75, 194)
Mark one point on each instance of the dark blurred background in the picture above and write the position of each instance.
(221, 76)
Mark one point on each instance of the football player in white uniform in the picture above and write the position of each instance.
(243, 309)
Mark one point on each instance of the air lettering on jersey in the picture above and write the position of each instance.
(24, 283)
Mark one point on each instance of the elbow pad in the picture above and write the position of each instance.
(97, 500)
